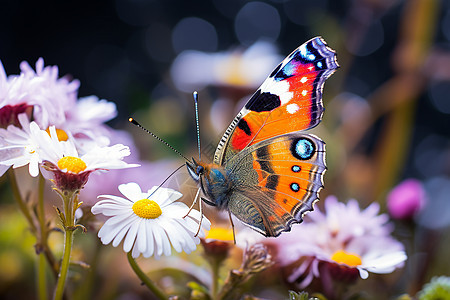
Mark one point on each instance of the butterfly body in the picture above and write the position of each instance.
(214, 181)
(266, 170)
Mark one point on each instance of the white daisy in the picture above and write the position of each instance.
(85, 122)
(149, 222)
(20, 147)
(71, 170)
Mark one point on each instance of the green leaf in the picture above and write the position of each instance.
(199, 292)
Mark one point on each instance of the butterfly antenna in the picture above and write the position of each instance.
(195, 94)
(157, 137)
(165, 180)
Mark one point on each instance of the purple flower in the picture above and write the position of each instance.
(406, 199)
(50, 100)
(346, 240)
(42, 89)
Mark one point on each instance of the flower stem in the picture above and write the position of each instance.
(68, 238)
(42, 242)
(22, 205)
(42, 245)
(41, 278)
(144, 278)
(69, 199)
(215, 268)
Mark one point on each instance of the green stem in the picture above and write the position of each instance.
(68, 239)
(215, 280)
(144, 278)
(41, 278)
(41, 211)
(42, 242)
(43, 238)
(22, 205)
(69, 198)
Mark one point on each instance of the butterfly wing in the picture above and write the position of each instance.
(276, 181)
(289, 100)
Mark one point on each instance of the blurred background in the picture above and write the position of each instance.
(387, 107)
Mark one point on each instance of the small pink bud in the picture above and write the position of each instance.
(406, 199)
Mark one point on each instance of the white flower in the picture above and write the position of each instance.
(20, 147)
(90, 111)
(70, 169)
(149, 222)
(97, 158)
(232, 68)
(358, 241)
(85, 121)
(356, 223)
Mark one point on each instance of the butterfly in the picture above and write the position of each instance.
(266, 170)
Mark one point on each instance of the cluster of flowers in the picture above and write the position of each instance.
(45, 126)
(62, 125)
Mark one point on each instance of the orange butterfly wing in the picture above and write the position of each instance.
(276, 181)
(266, 172)
(289, 100)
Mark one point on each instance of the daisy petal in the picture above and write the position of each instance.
(141, 230)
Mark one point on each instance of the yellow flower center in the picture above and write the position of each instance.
(221, 234)
(30, 150)
(349, 259)
(62, 135)
(72, 164)
(147, 209)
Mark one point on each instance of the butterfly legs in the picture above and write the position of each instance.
(232, 226)
(201, 211)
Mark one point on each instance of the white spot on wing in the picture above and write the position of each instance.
(304, 79)
(279, 88)
(286, 97)
(304, 92)
(292, 108)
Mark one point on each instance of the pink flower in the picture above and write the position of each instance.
(49, 95)
(406, 199)
(50, 100)
(344, 241)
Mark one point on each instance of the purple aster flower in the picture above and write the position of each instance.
(42, 89)
(52, 101)
(406, 199)
(344, 241)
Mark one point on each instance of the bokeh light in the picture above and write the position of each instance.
(373, 41)
(439, 95)
(445, 25)
(194, 33)
(257, 20)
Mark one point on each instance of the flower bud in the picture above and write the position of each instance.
(406, 199)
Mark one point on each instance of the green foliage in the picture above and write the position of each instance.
(304, 296)
(199, 292)
(438, 288)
